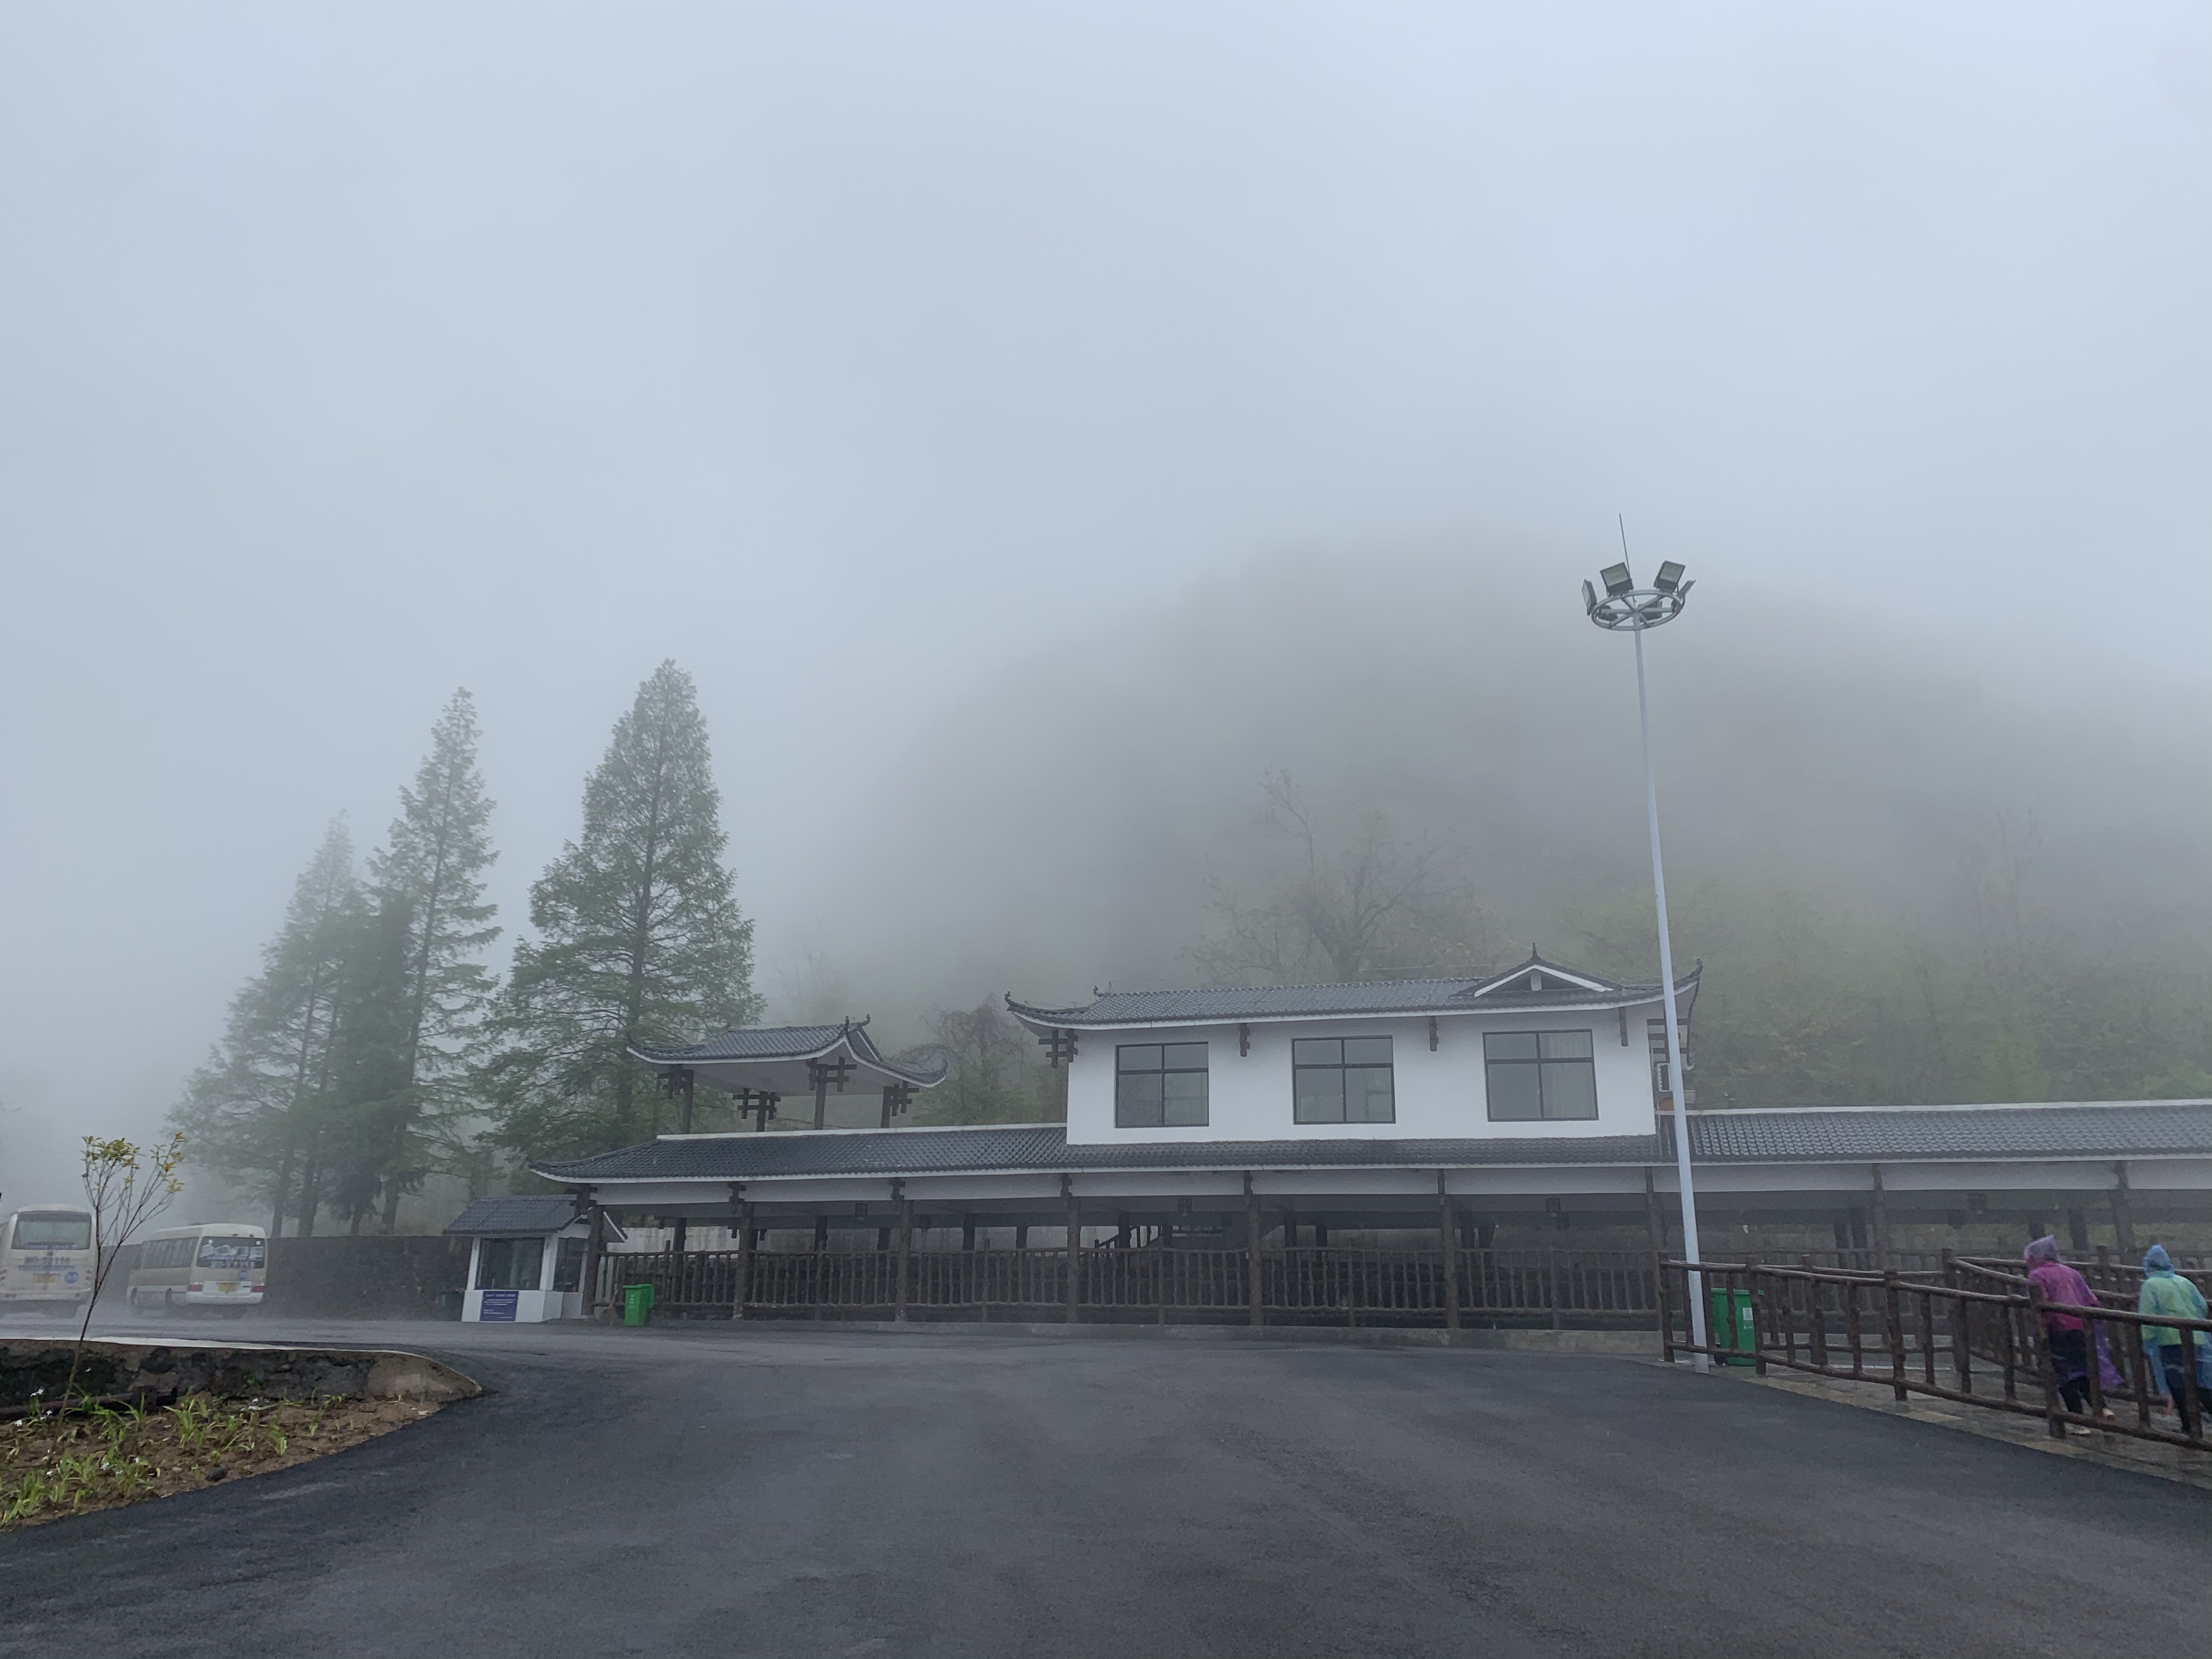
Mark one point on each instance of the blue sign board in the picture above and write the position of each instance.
(497, 1305)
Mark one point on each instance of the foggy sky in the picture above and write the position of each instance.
(857, 356)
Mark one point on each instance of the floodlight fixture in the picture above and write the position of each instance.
(1628, 607)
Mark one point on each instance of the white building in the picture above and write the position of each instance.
(1538, 1052)
(1258, 1121)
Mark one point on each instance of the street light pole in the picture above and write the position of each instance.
(1627, 606)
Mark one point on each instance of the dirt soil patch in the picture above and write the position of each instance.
(53, 1465)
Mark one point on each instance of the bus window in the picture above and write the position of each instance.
(54, 1232)
(232, 1255)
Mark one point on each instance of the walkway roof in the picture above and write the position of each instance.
(1773, 1135)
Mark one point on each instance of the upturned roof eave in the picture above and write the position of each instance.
(1627, 996)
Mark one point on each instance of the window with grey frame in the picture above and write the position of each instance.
(1535, 1076)
(1342, 1080)
(509, 1264)
(1160, 1085)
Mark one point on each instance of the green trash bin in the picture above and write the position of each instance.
(1733, 1326)
(637, 1304)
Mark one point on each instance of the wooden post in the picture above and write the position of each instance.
(1074, 1249)
(592, 1250)
(1451, 1254)
(683, 1119)
(1252, 1248)
(2039, 1339)
(744, 1256)
(905, 1249)
(2123, 1221)
(1881, 1243)
(821, 1094)
(1893, 1320)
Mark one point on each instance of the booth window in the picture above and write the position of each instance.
(1343, 1080)
(568, 1265)
(1539, 1075)
(509, 1264)
(1160, 1085)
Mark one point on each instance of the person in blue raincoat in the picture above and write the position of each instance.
(2171, 1356)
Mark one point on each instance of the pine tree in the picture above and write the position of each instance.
(639, 939)
(253, 1112)
(428, 886)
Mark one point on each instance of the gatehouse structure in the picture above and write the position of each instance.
(1333, 1153)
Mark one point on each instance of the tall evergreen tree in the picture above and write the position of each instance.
(639, 939)
(253, 1112)
(428, 885)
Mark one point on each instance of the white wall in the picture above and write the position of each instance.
(1439, 1096)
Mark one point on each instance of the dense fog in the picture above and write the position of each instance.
(1033, 433)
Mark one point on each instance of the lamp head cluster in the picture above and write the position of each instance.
(1624, 605)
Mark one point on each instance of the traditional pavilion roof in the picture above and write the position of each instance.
(517, 1215)
(1770, 1135)
(1534, 986)
(773, 1058)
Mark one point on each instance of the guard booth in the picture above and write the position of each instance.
(528, 1259)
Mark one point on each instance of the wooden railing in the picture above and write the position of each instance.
(1304, 1285)
(1973, 1333)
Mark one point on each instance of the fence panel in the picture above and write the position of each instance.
(1985, 1338)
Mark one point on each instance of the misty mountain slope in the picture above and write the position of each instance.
(1935, 870)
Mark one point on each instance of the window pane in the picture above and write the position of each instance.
(1510, 1045)
(1570, 1088)
(1367, 1051)
(492, 1258)
(1367, 1094)
(1319, 1095)
(1140, 1057)
(1183, 1099)
(568, 1265)
(529, 1262)
(232, 1253)
(54, 1232)
(1315, 1051)
(1137, 1100)
(1184, 1056)
(1566, 1045)
(1513, 1093)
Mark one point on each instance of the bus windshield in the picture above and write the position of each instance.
(233, 1252)
(54, 1232)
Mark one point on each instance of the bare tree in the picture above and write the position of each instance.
(125, 1185)
(1361, 902)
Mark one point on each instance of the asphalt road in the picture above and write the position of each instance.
(786, 1494)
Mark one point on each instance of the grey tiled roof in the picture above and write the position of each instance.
(1043, 1146)
(1377, 997)
(2131, 1129)
(2122, 1129)
(526, 1213)
(753, 1042)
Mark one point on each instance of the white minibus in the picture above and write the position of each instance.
(45, 1255)
(209, 1264)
